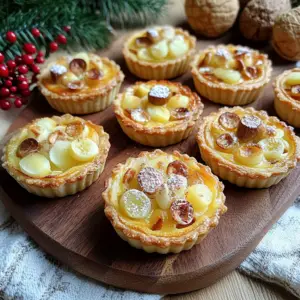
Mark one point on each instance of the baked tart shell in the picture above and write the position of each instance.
(157, 137)
(81, 103)
(72, 182)
(161, 244)
(227, 94)
(239, 175)
(159, 70)
(287, 108)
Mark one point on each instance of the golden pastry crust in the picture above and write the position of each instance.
(64, 183)
(165, 69)
(228, 168)
(231, 94)
(287, 108)
(165, 134)
(162, 241)
(88, 100)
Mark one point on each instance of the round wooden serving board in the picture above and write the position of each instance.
(75, 230)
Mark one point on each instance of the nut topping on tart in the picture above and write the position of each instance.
(182, 212)
(177, 167)
(78, 66)
(28, 146)
(249, 127)
(56, 71)
(229, 120)
(160, 204)
(159, 94)
(157, 113)
(258, 152)
(150, 180)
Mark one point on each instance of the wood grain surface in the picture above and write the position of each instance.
(74, 229)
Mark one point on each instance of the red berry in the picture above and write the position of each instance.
(67, 28)
(18, 102)
(22, 69)
(13, 89)
(22, 78)
(1, 57)
(35, 69)
(18, 60)
(5, 105)
(29, 48)
(40, 60)
(11, 36)
(33, 78)
(53, 46)
(35, 32)
(23, 85)
(27, 59)
(11, 64)
(40, 53)
(4, 92)
(61, 39)
(10, 78)
(3, 70)
(25, 93)
(8, 83)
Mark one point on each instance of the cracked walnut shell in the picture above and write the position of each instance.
(211, 18)
(258, 17)
(285, 38)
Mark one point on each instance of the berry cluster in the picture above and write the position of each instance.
(16, 76)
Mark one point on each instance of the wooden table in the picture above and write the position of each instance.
(234, 286)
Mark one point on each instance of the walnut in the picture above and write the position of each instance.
(258, 17)
(211, 18)
(285, 37)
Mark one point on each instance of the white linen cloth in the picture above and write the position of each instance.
(26, 272)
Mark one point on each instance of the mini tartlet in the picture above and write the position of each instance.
(162, 202)
(58, 156)
(231, 75)
(248, 147)
(287, 96)
(157, 113)
(159, 52)
(80, 84)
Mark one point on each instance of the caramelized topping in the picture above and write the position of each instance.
(152, 35)
(180, 113)
(143, 41)
(182, 212)
(29, 145)
(177, 167)
(159, 94)
(158, 225)
(53, 137)
(150, 180)
(76, 85)
(94, 74)
(74, 129)
(229, 120)
(128, 176)
(250, 72)
(56, 71)
(139, 115)
(226, 140)
(249, 127)
(78, 66)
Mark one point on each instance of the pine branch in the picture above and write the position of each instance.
(295, 3)
(90, 21)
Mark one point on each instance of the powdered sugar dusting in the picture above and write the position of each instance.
(159, 91)
(175, 182)
(58, 69)
(150, 179)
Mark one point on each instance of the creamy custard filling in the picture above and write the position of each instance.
(249, 139)
(81, 72)
(291, 85)
(53, 147)
(165, 195)
(232, 65)
(156, 104)
(160, 44)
